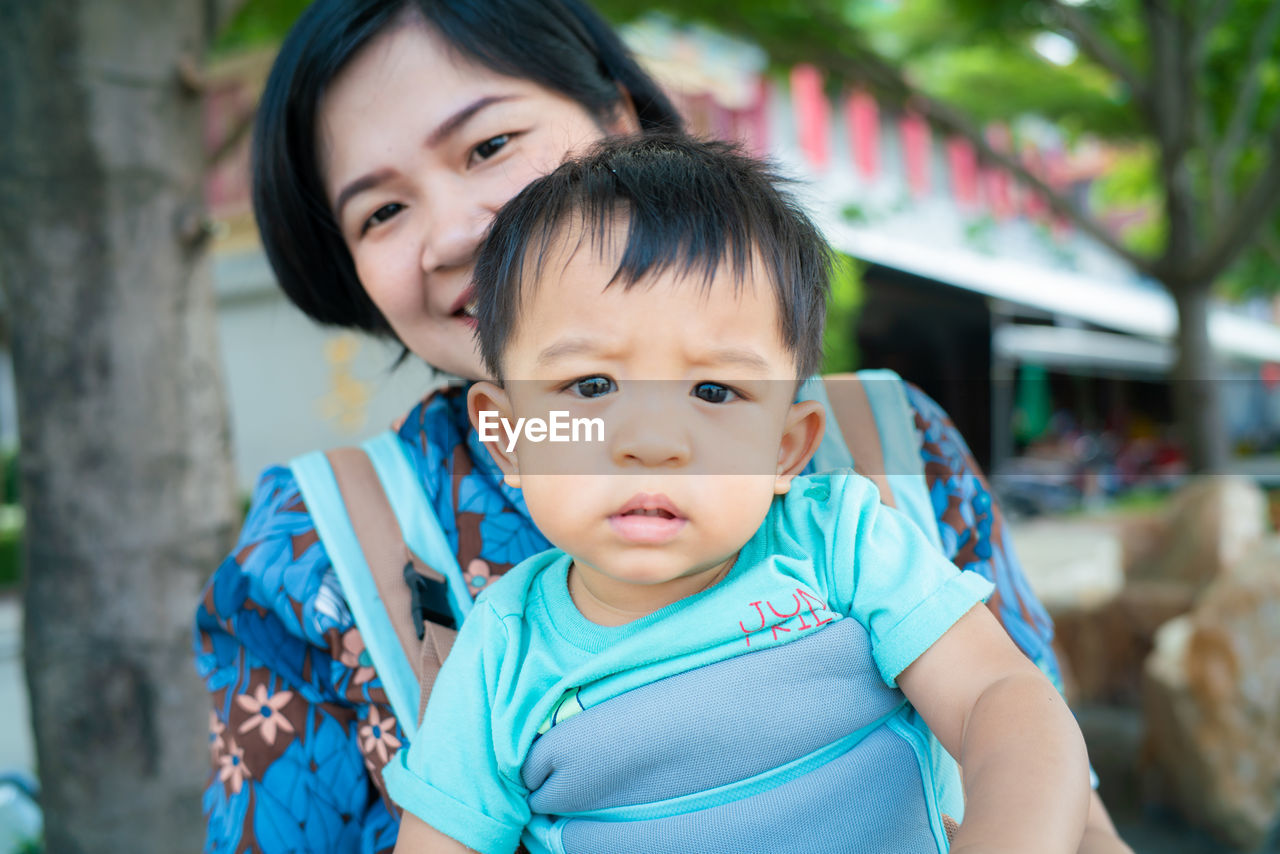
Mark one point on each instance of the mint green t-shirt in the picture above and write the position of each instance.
(827, 551)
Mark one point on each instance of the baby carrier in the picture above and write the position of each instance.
(406, 589)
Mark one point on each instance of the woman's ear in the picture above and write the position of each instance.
(489, 408)
(801, 436)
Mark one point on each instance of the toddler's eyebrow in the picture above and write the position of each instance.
(736, 356)
(569, 347)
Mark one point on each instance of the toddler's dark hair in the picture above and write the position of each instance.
(689, 205)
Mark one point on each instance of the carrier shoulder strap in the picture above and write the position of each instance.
(874, 425)
(851, 439)
(392, 560)
(900, 448)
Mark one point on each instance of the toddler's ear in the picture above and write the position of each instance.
(801, 435)
(489, 408)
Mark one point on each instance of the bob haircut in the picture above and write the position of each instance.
(688, 206)
(560, 44)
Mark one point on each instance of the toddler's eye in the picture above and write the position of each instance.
(714, 393)
(590, 387)
(381, 215)
(491, 146)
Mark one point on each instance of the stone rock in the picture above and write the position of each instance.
(1104, 646)
(1210, 526)
(1211, 705)
(1070, 563)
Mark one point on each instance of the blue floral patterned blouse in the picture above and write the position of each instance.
(301, 728)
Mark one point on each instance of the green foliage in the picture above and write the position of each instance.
(9, 476)
(839, 342)
(258, 23)
(10, 521)
(10, 548)
(994, 83)
(1254, 275)
(1132, 183)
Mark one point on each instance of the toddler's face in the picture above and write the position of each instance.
(694, 390)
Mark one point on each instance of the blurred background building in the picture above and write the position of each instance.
(1035, 337)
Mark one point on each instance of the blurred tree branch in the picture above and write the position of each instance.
(1096, 46)
(1246, 107)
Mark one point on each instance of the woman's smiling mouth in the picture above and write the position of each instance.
(464, 308)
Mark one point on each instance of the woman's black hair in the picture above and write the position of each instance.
(562, 45)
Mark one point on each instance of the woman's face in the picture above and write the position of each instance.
(419, 149)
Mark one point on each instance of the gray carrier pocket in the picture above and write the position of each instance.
(783, 747)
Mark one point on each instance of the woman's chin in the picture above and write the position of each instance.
(462, 369)
(450, 347)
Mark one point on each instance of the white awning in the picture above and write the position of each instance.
(1071, 349)
(1122, 306)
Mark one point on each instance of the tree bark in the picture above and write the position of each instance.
(1197, 393)
(125, 451)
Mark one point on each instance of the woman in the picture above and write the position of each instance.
(388, 135)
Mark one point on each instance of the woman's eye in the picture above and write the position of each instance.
(714, 393)
(381, 215)
(590, 387)
(491, 146)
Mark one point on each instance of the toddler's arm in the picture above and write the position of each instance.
(1026, 775)
(418, 837)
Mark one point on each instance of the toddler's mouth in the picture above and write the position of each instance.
(657, 511)
(648, 520)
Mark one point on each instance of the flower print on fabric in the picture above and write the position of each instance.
(216, 729)
(477, 575)
(232, 771)
(356, 657)
(283, 659)
(973, 532)
(377, 737)
(266, 713)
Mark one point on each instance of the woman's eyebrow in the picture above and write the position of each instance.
(461, 117)
(359, 185)
(443, 131)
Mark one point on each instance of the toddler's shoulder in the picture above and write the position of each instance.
(513, 592)
(834, 491)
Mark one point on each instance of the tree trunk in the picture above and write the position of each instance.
(125, 460)
(1197, 393)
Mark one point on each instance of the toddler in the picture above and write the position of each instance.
(720, 655)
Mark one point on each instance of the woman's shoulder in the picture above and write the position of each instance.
(279, 571)
(278, 576)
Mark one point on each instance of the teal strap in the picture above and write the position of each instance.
(944, 793)
(904, 468)
(329, 514)
(833, 453)
(417, 518)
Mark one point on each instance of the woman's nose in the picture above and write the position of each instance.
(454, 228)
